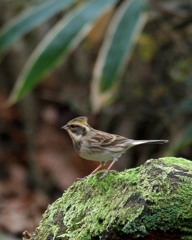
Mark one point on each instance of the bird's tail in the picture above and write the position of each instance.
(138, 142)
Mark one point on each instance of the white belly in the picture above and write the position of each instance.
(104, 156)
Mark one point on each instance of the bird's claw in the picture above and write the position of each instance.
(105, 173)
(102, 176)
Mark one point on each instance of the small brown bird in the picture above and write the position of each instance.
(95, 145)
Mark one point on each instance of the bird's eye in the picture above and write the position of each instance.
(72, 126)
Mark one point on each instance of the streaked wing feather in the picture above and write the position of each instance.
(107, 142)
(103, 140)
(114, 141)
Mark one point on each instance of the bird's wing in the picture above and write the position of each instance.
(103, 139)
(114, 141)
(111, 140)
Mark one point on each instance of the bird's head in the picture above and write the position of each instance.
(77, 128)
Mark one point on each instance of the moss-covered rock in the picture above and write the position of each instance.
(154, 199)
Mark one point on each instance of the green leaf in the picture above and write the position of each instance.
(58, 42)
(186, 138)
(124, 30)
(29, 20)
(183, 140)
(185, 106)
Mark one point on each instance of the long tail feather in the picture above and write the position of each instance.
(137, 142)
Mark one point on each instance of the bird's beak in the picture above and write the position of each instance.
(64, 127)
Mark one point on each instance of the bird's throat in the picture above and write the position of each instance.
(77, 145)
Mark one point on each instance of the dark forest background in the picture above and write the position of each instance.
(152, 100)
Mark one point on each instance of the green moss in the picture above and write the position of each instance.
(182, 162)
(154, 196)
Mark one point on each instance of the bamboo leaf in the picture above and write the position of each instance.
(29, 20)
(59, 41)
(124, 30)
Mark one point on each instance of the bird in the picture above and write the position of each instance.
(95, 145)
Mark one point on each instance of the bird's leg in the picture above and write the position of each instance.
(96, 169)
(99, 167)
(110, 166)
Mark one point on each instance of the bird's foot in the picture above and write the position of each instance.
(106, 172)
(102, 176)
(81, 179)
